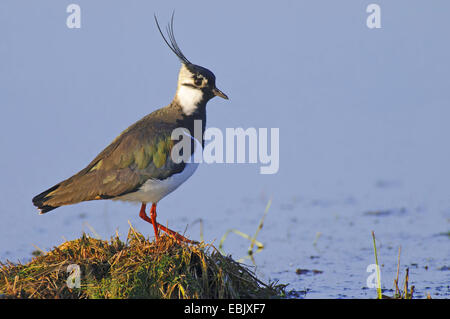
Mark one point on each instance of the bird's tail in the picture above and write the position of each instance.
(79, 188)
(41, 200)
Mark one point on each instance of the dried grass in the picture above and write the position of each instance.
(137, 268)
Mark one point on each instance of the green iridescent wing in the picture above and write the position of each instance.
(138, 154)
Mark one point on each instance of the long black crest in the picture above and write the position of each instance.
(173, 45)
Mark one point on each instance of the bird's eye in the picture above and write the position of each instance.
(198, 81)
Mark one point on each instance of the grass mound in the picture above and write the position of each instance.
(137, 268)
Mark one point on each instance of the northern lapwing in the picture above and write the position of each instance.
(137, 166)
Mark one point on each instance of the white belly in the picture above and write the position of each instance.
(154, 190)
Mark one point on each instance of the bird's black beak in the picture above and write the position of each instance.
(218, 92)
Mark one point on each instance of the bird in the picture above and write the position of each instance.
(137, 166)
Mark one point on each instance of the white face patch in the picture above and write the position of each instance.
(189, 98)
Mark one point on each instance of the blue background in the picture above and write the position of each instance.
(363, 117)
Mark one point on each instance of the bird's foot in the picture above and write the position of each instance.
(179, 238)
(156, 226)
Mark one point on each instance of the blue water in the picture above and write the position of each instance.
(363, 118)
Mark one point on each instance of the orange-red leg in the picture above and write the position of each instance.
(144, 216)
(157, 226)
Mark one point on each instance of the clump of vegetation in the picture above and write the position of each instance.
(137, 268)
(399, 293)
(406, 293)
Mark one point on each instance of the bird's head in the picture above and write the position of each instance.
(196, 84)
